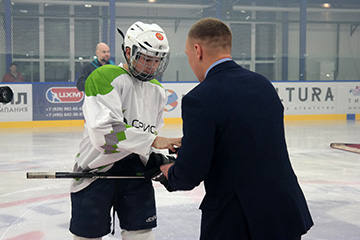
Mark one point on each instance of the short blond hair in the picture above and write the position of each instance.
(212, 32)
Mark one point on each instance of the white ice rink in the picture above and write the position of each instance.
(39, 209)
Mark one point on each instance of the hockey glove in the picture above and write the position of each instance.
(152, 169)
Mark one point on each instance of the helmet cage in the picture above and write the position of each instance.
(146, 65)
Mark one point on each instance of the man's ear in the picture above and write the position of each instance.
(199, 51)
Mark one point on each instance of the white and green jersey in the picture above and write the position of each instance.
(122, 116)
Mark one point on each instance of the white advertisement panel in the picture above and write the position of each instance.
(298, 98)
(21, 106)
(175, 92)
(349, 98)
(309, 98)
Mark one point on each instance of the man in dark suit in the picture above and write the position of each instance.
(234, 141)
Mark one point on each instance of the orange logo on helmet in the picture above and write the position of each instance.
(159, 36)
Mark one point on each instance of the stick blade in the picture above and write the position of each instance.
(349, 147)
(32, 175)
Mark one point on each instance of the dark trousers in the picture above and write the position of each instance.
(211, 230)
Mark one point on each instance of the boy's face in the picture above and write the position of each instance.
(147, 64)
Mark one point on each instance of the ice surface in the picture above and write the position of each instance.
(39, 209)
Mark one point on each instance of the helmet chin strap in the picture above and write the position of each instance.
(139, 76)
(122, 46)
(145, 77)
(123, 36)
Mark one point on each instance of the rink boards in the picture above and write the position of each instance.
(60, 104)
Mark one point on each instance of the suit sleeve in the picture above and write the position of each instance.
(196, 152)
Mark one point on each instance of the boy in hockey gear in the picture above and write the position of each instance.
(123, 110)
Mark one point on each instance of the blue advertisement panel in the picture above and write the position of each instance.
(59, 101)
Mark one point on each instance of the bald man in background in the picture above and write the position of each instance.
(102, 53)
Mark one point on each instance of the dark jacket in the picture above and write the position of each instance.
(234, 141)
(86, 71)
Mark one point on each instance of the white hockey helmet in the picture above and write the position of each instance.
(149, 50)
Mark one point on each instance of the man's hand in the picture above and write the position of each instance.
(165, 168)
(152, 168)
(167, 143)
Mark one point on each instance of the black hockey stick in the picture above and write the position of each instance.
(32, 175)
